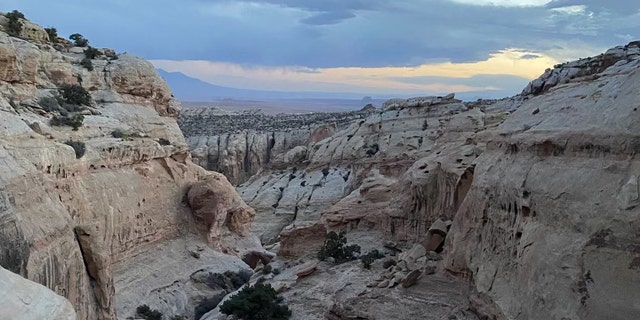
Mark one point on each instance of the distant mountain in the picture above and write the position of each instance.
(190, 89)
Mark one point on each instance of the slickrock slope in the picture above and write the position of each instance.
(24, 300)
(70, 218)
(552, 217)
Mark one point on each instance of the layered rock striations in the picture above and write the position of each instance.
(541, 191)
(240, 144)
(369, 174)
(552, 216)
(76, 204)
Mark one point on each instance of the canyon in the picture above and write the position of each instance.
(537, 195)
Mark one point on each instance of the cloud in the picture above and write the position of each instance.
(337, 33)
(503, 72)
(328, 18)
(529, 56)
(505, 3)
(334, 34)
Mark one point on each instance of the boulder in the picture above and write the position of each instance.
(306, 268)
(26, 300)
(216, 205)
(297, 241)
(411, 278)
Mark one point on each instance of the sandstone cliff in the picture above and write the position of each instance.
(542, 191)
(360, 169)
(239, 145)
(80, 207)
(552, 217)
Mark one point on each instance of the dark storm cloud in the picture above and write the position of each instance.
(328, 18)
(336, 32)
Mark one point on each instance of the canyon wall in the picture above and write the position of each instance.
(552, 217)
(239, 145)
(78, 203)
(369, 173)
(541, 190)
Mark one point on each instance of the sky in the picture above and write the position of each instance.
(479, 48)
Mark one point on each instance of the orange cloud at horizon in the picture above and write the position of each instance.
(508, 62)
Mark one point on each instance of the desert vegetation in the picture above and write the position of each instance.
(14, 26)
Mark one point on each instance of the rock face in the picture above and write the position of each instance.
(583, 70)
(75, 204)
(553, 204)
(24, 300)
(217, 206)
(396, 171)
(240, 144)
(541, 188)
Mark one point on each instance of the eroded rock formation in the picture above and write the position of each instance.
(396, 171)
(79, 206)
(541, 188)
(552, 214)
(240, 144)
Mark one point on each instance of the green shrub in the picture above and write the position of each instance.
(14, 26)
(120, 134)
(370, 257)
(78, 146)
(207, 304)
(228, 280)
(373, 149)
(75, 94)
(79, 40)
(53, 34)
(49, 104)
(164, 142)
(92, 52)
(87, 64)
(259, 302)
(74, 121)
(146, 313)
(388, 263)
(334, 247)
